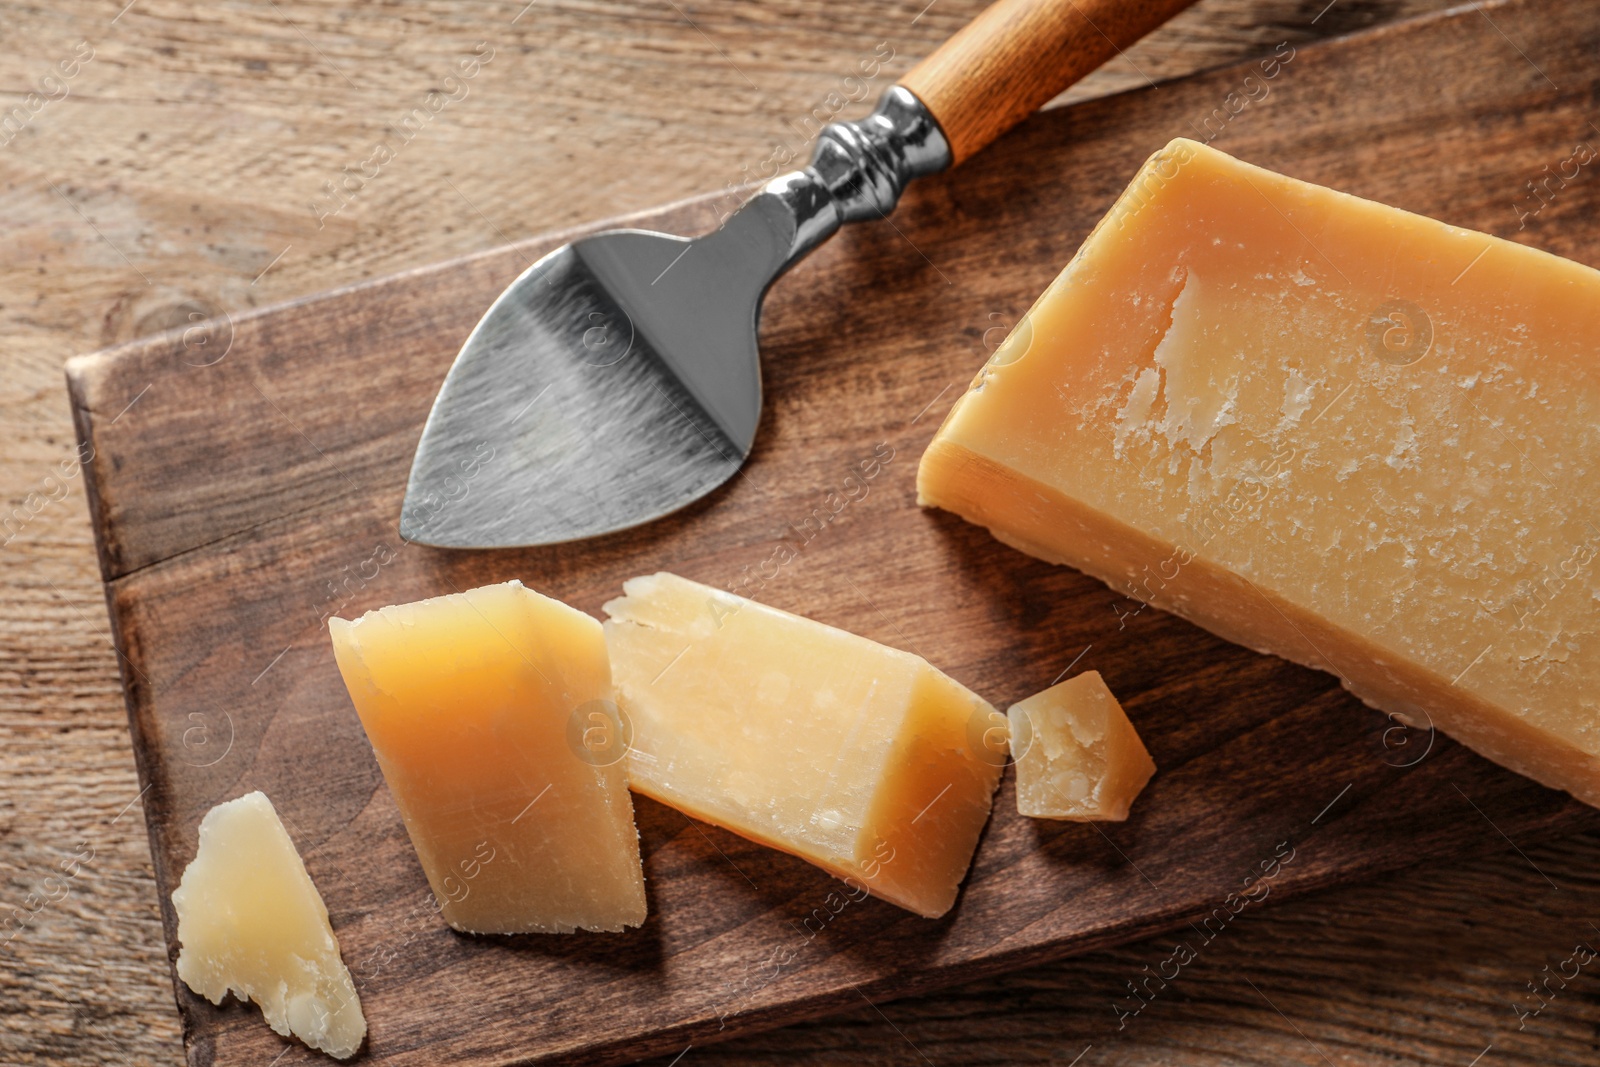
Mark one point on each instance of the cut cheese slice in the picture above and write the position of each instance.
(1324, 428)
(1078, 757)
(251, 922)
(491, 716)
(803, 737)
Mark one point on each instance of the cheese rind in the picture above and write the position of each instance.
(803, 737)
(251, 922)
(1078, 757)
(1328, 429)
(481, 707)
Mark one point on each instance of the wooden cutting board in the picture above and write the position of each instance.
(247, 478)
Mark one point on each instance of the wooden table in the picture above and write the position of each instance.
(181, 171)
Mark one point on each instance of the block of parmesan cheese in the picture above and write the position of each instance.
(251, 922)
(1078, 757)
(803, 737)
(491, 715)
(1324, 428)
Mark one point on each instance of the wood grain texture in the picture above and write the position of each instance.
(1018, 55)
(185, 159)
(240, 494)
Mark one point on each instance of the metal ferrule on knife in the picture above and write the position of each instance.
(859, 169)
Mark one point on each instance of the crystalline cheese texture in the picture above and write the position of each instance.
(1324, 428)
(806, 738)
(1078, 757)
(250, 922)
(491, 716)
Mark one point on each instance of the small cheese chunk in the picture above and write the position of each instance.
(491, 715)
(1324, 428)
(250, 922)
(803, 737)
(1078, 757)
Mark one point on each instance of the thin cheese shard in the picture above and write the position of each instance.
(251, 922)
(803, 737)
(1078, 757)
(491, 715)
(1324, 428)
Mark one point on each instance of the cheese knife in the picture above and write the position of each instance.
(618, 378)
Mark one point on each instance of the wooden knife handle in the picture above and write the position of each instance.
(1017, 55)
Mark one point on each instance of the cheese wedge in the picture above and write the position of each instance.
(1078, 757)
(491, 716)
(251, 922)
(806, 738)
(1324, 428)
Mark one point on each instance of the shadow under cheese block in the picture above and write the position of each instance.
(823, 744)
(1078, 757)
(1324, 428)
(480, 707)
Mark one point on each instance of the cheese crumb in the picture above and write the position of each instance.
(251, 922)
(1078, 757)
